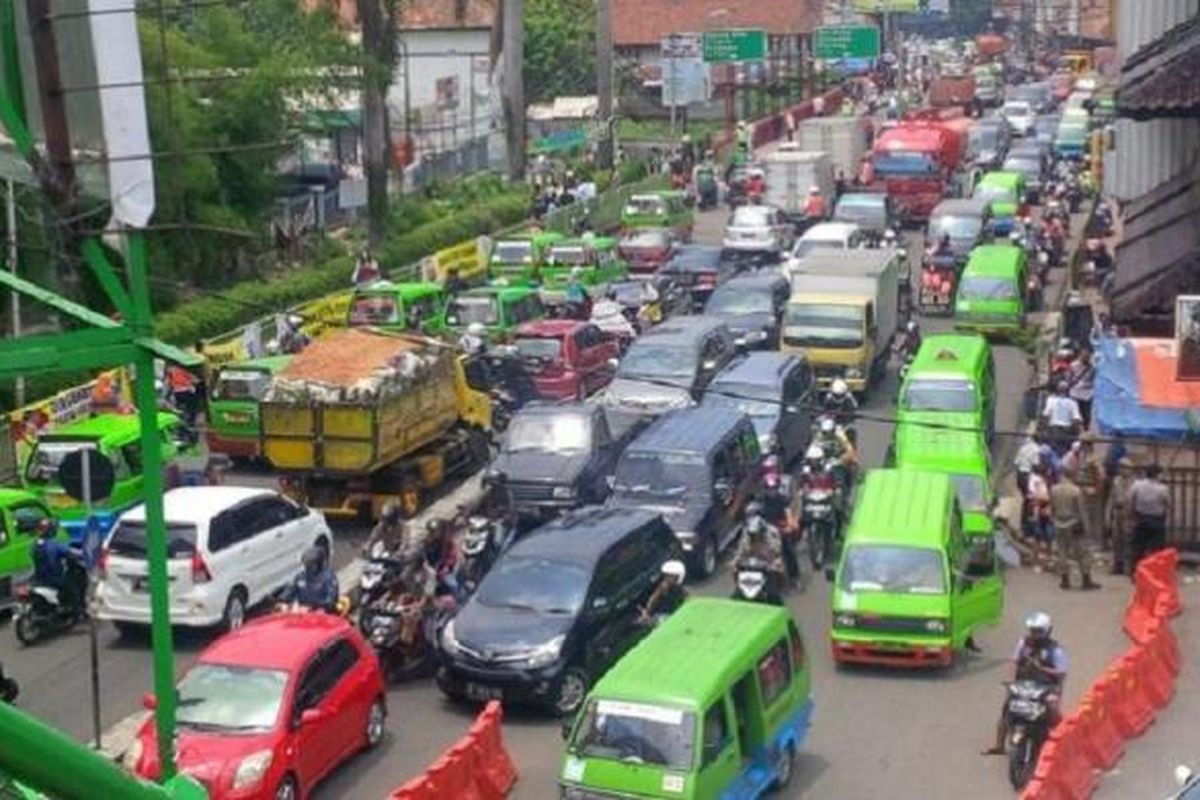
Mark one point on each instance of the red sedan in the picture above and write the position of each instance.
(646, 250)
(272, 708)
(568, 359)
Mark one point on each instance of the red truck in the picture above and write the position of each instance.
(915, 161)
(568, 359)
(951, 90)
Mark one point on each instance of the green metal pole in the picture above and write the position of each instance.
(156, 542)
(11, 58)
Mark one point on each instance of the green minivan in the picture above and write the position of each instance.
(910, 588)
(233, 399)
(410, 307)
(500, 309)
(714, 703)
(118, 438)
(665, 209)
(20, 513)
(1005, 193)
(951, 382)
(517, 259)
(964, 456)
(991, 290)
(595, 256)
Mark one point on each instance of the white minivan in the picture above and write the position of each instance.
(229, 548)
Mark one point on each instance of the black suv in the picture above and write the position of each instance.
(698, 467)
(698, 269)
(557, 610)
(558, 455)
(776, 391)
(752, 306)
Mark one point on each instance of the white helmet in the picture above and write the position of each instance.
(476, 329)
(814, 453)
(827, 425)
(1039, 623)
(814, 190)
(675, 569)
(1014, 235)
(839, 388)
(889, 235)
(295, 320)
(911, 327)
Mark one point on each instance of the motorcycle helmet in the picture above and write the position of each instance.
(839, 388)
(814, 190)
(313, 559)
(674, 568)
(1039, 625)
(1015, 236)
(889, 235)
(45, 528)
(911, 326)
(476, 329)
(827, 425)
(478, 524)
(391, 512)
(814, 455)
(756, 526)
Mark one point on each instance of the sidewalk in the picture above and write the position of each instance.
(1146, 770)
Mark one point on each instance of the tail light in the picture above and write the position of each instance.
(200, 571)
(706, 279)
(102, 563)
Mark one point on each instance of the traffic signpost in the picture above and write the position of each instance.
(836, 42)
(740, 44)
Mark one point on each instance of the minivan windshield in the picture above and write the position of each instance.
(646, 359)
(549, 433)
(981, 287)
(465, 310)
(959, 227)
(939, 394)
(374, 309)
(512, 252)
(241, 384)
(636, 733)
(528, 583)
(886, 568)
(823, 325)
(661, 476)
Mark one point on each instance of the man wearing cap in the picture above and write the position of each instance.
(1071, 529)
(1085, 470)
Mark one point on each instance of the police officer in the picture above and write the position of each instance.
(1040, 658)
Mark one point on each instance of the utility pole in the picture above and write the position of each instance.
(513, 53)
(379, 51)
(604, 81)
(10, 220)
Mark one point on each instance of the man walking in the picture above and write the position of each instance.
(1150, 500)
(1071, 529)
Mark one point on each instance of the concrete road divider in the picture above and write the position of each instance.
(476, 767)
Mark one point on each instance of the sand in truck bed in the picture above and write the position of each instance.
(347, 357)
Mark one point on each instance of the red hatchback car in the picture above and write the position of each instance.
(270, 709)
(568, 359)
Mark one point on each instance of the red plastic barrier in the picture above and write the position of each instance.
(497, 773)
(1038, 789)
(1161, 566)
(416, 789)
(1166, 648)
(1133, 709)
(1067, 769)
(1156, 677)
(1142, 605)
(1103, 739)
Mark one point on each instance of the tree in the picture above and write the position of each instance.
(379, 64)
(560, 48)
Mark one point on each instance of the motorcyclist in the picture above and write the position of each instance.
(473, 342)
(755, 186)
(944, 247)
(668, 595)
(292, 339)
(1038, 657)
(316, 586)
(814, 204)
(816, 475)
(576, 295)
(910, 341)
(762, 541)
(390, 532)
(704, 180)
(51, 558)
(609, 316)
(455, 284)
(841, 403)
(838, 450)
(440, 555)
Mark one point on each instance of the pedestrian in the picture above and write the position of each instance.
(366, 269)
(1071, 531)
(1040, 528)
(1027, 457)
(1082, 464)
(184, 393)
(1118, 514)
(1082, 380)
(1062, 418)
(1150, 501)
(840, 185)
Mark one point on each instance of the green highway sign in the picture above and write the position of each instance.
(743, 44)
(834, 42)
(886, 6)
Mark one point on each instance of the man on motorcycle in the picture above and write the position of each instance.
(316, 586)
(762, 541)
(390, 533)
(50, 560)
(704, 181)
(943, 248)
(841, 403)
(910, 342)
(814, 205)
(1039, 658)
(577, 295)
(473, 342)
(668, 595)
(440, 555)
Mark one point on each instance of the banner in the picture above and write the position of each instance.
(465, 258)
(324, 313)
(109, 390)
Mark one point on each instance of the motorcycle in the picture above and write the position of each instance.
(757, 582)
(1033, 292)
(818, 517)
(482, 543)
(40, 611)
(379, 573)
(403, 633)
(1028, 718)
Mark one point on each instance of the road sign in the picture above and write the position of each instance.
(834, 42)
(886, 6)
(743, 44)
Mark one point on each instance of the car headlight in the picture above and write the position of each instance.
(756, 336)
(936, 625)
(854, 373)
(563, 493)
(252, 770)
(133, 755)
(450, 645)
(547, 653)
(687, 539)
(844, 620)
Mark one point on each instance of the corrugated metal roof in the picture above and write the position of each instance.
(637, 22)
(1163, 78)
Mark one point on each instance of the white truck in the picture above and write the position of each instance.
(844, 313)
(844, 138)
(791, 173)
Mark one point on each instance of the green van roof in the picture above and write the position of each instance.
(994, 260)
(105, 428)
(500, 291)
(696, 654)
(901, 507)
(1005, 178)
(949, 354)
(941, 450)
(10, 496)
(406, 289)
(598, 242)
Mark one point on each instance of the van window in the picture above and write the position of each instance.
(641, 733)
(716, 732)
(774, 673)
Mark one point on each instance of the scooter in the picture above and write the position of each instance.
(757, 582)
(482, 543)
(819, 520)
(40, 611)
(379, 573)
(402, 633)
(1028, 718)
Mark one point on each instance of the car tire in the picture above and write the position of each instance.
(785, 768)
(234, 615)
(375, 726)
(287, 789)
(570, 692)
(708, 558)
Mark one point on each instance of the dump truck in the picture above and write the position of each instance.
(363, 416)
(951, 90)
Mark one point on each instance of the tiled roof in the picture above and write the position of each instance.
(1163, 78)
(646, 22)
(429, 14)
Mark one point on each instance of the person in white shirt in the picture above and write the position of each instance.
(1028, 456)
(1062, 418)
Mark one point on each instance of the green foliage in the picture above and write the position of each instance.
(560, 48)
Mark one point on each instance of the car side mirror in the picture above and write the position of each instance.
(613, 363)
(149, 701)
(311, 716)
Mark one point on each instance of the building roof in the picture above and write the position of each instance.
(446, 14)
(1162, 79)
(636, 22)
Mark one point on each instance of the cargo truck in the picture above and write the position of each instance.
(361, 417)
(951, 90)
(844, 313)
(916, 163)
(844, 138)
(790, 174)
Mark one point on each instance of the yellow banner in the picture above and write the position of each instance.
(465, 258)
(111, 389)
(324, 313)
(220, 354)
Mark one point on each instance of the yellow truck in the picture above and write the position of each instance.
(361, 417)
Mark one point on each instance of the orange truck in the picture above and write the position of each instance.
(915, 163)
(951, 90)
(990, 45)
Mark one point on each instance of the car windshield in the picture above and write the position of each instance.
(662, 476)
(1015, 109)
(646, 359)
(750, 217)
(636, 733)
(734, 299)
(905, 570)
(530, 583)
(939, 394)
(810, 245)
(984, 138)
(823, 325)
(128, 539)
(900, 164)
(647, 239)
(48, 456)
(1026, 166)
(578, 256)
(538, 348)
(375, 310)
(514, 252)
(859, 204)
(963, 228)
(994, 191)
(972, 495)
(549, 433)
(222, 697)
(979, 287)
(241, 384)
(465, 310)
(754, 401)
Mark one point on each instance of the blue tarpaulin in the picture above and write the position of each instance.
(1118, 405)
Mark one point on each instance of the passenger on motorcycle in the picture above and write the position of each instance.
(841, 404)
(1038, 658)
(390, 533)
(838, 449)
(316, 586)
(440, 554)
(762, 541)
(50, 567)
(667, 596)
(816, 475)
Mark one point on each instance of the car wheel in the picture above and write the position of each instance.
(235, 610)
(785, 767)
(572, 690)
(376, 724)
(287, 789)
(709, 557)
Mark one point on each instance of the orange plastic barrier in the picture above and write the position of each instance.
(1101, 738)
(1064, 766)
(476, 767)
(1155, 593)
(1161, 566)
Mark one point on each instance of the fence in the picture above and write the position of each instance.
(447, 164)
(1183, 525)
(603, 213)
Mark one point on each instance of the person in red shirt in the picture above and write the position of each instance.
(814, 206)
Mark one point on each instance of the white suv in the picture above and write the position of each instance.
(228, 549)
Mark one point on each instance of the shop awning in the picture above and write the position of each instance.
(1162, 79)
(1160, 255)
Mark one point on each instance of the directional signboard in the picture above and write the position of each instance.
(886, 6)
(834, 42)
(735, 45)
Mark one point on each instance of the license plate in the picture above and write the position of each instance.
(477, 691)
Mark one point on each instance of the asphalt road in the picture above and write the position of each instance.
(875, 733)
